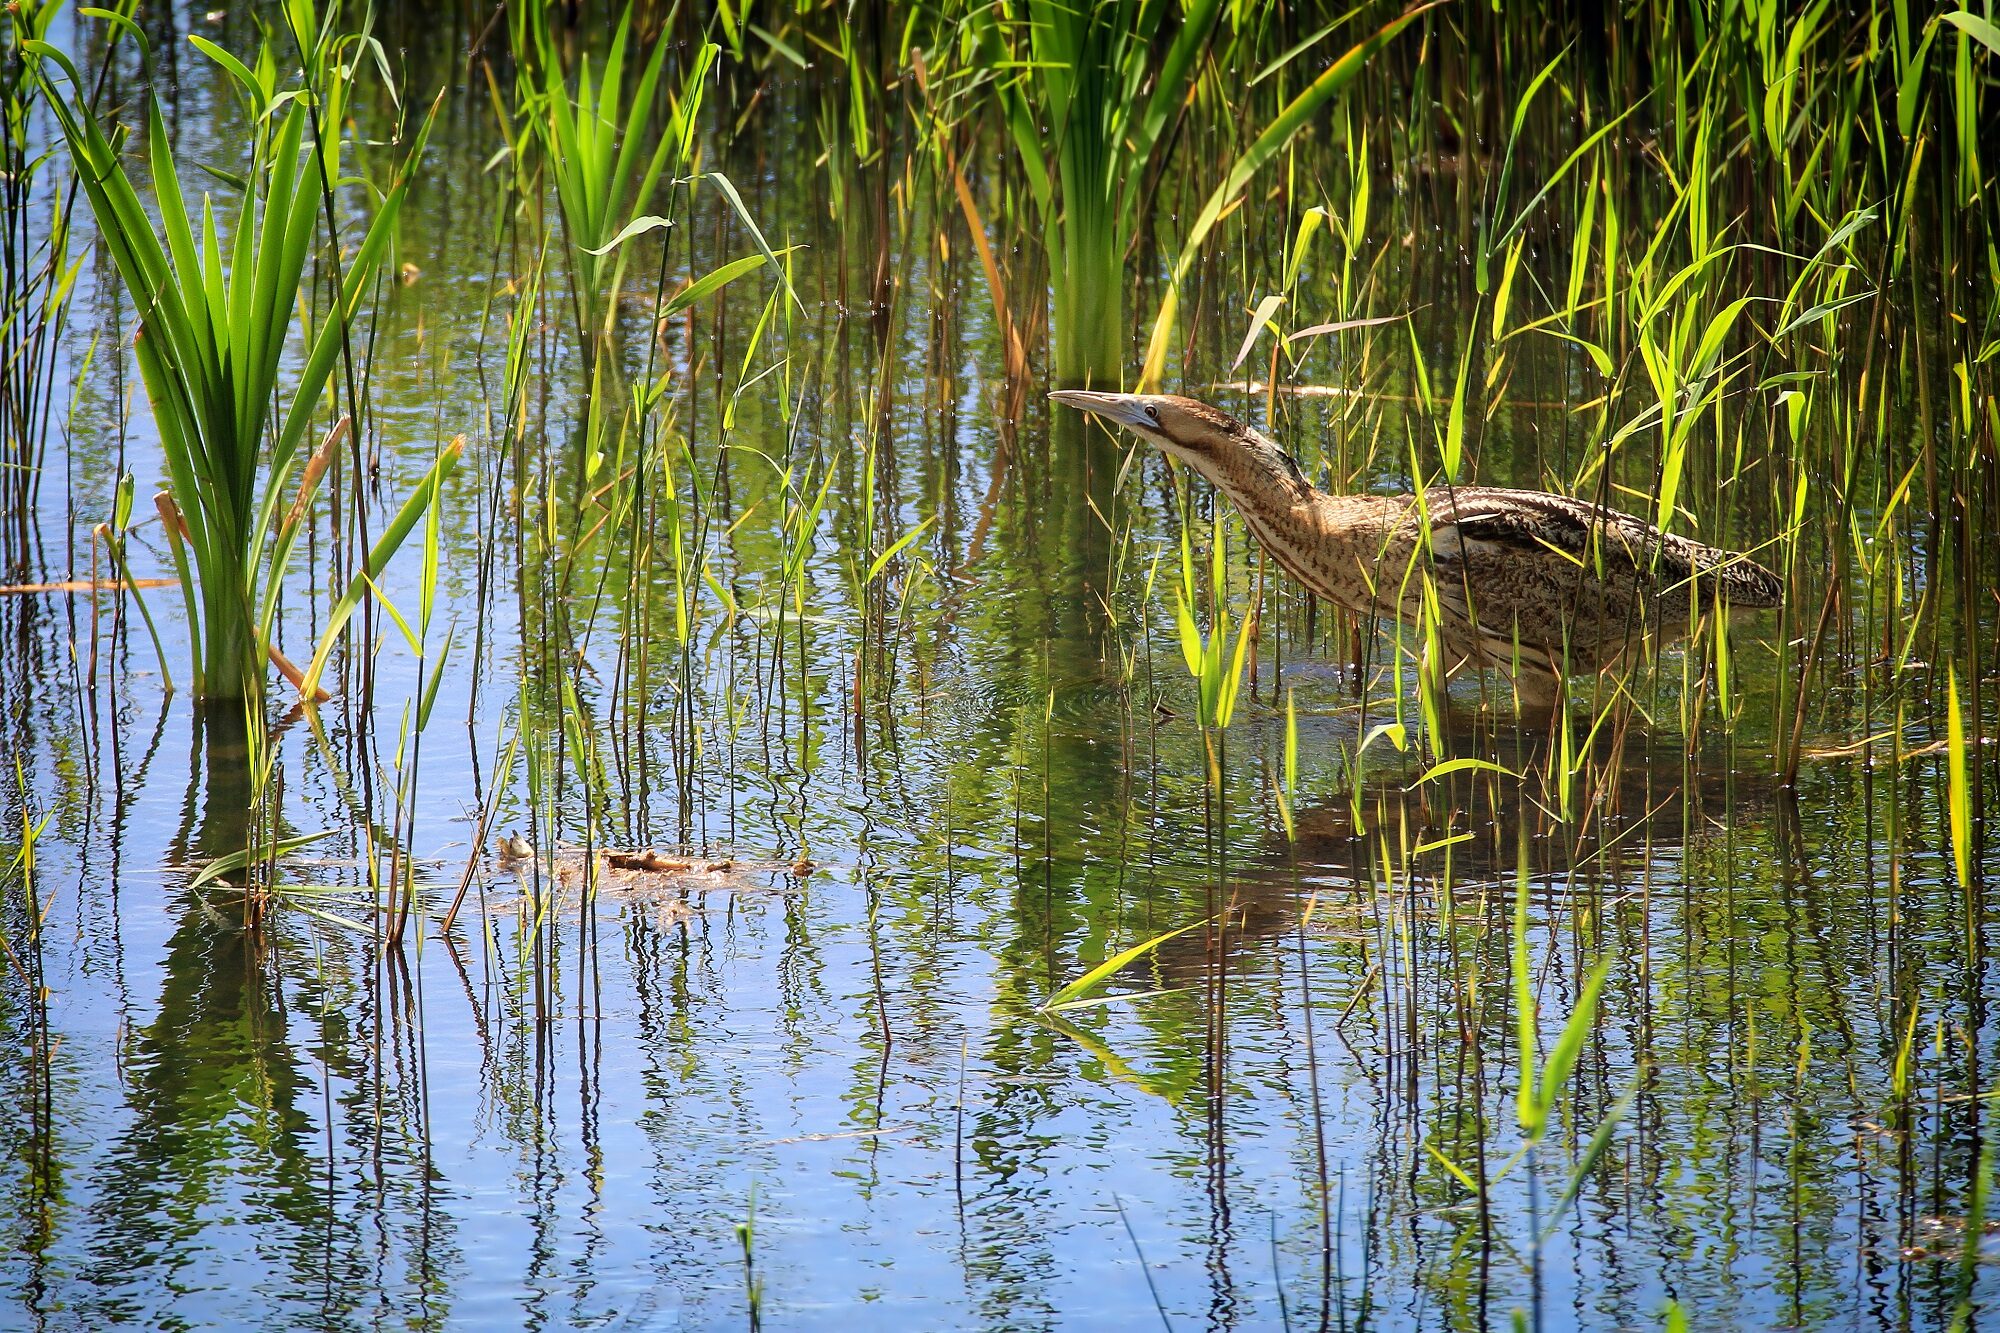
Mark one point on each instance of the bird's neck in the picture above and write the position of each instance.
(1325, 541)
(1258, 475)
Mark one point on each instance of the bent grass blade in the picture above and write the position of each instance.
(1076, 994)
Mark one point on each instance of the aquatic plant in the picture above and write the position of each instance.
(215, 322)
(1090, 114)
(37, 274)
(1217, 668)
(594, 146)
(1092, 103)
(1268, 143)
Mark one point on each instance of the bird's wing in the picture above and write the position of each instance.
(1600, 541)
(1547, 573)
(1475, 521)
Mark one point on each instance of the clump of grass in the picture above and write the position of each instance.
(215, 322)
(37, 274)
(1092, 102)
(593, 143)
(1091, 83)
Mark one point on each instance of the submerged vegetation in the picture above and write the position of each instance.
(852, 835)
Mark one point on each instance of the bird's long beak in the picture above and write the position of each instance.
(1127, 409)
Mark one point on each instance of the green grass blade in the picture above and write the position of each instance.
(1083, 985)
(385, 547)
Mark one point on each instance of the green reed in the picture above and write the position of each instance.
(633, 500)
(753, 1284)
(1095, 107)
(1272, 140)
(595, 149)
(1217, 668)
(1091, 81)
(38, 272)
(215, 323)
(398, 889)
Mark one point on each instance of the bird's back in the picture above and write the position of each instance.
(1599, 541)
(1524, 575)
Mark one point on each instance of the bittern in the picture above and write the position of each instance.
(1533, 584)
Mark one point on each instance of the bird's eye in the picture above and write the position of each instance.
(1152, 414)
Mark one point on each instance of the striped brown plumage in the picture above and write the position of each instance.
(1533, 584)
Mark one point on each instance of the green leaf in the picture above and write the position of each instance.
(771, 40)
(638, 226)
(1068, 995)
(1598, 356)
(1600, 1140)
(1527, 1105)
(121, 505)
(410, 639)
(1819, 311)
(714, 281)
(1259, 319)
(1192, 647)
(1718, 329)
(1288, 789)
(1569, 1046)
(1454, 433)
(901, 542)
(378, 559)
(237, 860)
(1981, 30)
(1521, 107)
(1343, 325)
(252, 88)
(1458, 1172)
(1101, 1001)
(123, 22)
(437, 678)
(1396, 733)
(1467, 765)
(728, 189)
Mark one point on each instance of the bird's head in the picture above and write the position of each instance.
(1209, 440)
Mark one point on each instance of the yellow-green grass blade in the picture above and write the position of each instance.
(385, 547)
(1083, 985)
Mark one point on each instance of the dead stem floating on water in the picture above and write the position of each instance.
(646, 874)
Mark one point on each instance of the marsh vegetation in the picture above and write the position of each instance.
(579, 746)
